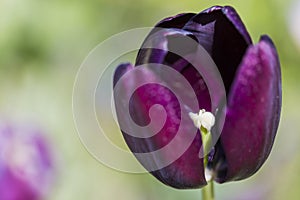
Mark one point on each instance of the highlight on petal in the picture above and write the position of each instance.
(157, 55)
(222, 33)
(252, 114)
(166, 41)
(235, 19)
(187, 170)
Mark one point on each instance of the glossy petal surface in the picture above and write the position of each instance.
(252, 79)
(222, 33)
(253, 112)
(185, 172)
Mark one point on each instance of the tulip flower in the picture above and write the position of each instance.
(26, 165)
(252, 80)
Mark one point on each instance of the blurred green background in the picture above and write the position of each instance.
(42, 45)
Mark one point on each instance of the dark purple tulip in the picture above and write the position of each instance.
(26, 164)
(252, 79)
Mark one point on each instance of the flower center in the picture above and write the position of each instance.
(203, 120)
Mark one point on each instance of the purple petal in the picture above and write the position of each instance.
(222, 33)
(235, 19)
(26, 166)
(184, 172)
(253, 113)
(176, 41)
(13, 188)
(177, 21)
(146, 55)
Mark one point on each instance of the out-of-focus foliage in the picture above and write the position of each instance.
(42, 44)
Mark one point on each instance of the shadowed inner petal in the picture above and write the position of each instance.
(214, 30)
(222, 40)
(157, 55)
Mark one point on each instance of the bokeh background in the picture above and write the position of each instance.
(43, 43)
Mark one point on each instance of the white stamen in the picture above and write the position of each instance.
(203, 118)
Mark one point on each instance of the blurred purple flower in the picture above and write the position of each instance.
(252, 79)
(26, 164)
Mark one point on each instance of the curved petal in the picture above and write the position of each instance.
(253, 113)
(186, 171)
(146, 55)
(179, 42)
(177, 21)
(222, 33)
(235, 19)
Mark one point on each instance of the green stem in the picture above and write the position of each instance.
(208, 191)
